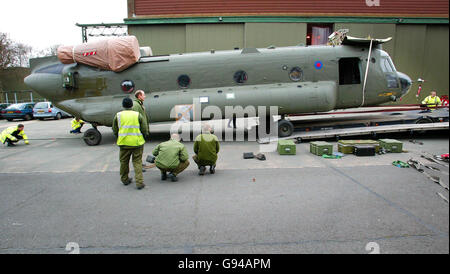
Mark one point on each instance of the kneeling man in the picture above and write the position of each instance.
(206, 147)
(172, 157)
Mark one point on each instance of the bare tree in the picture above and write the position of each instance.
(50, 51)
(13, 54)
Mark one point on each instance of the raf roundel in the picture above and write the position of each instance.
(318, 65)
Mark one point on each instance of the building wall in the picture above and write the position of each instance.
(12, 86)
(170, 8)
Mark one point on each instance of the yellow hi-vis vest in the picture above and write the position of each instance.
(7, 134)
(432, 102)
(76, 124)
(129, 129)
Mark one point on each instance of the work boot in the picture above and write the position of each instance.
(163, 175)
(212, 169)
(127, 182)
(139, 187)
(202, 170)
(172, 177)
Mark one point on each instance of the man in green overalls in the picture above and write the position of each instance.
(138, 105)
(128, 126)
(206, 147)
(172, 157)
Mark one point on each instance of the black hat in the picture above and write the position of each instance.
(127, 102)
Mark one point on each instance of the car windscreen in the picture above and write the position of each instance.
(41, 105)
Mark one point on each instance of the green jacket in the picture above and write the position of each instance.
(206, 146)
(115, 127)
(139, 107)
(169, 154)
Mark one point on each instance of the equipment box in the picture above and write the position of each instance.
(321, 148)
(348, 146)
(391, 145)
(286, 147)
(364, 150)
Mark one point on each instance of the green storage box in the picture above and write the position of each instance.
(286, 147)
(321, 148)
(348, 146)
(391, 145)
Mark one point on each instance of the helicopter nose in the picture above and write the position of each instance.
(43, 83)
(30, 81)
(405, 82)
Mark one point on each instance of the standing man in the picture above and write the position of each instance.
(138, 105)
(77, 124)
(172, 157)
(129, 127)
(206, 147)
(13, 134)
(432, 100)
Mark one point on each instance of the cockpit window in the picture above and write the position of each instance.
(54, 69)
(387, 65)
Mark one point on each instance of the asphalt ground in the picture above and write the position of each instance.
(57, 191)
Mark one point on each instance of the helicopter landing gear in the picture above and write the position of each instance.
(92, 136)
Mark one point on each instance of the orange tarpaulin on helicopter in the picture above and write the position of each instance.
(114, 54)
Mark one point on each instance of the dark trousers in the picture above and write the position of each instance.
(202, 162)
(175, 171)
(124, 155)
(11, 142)
(77, 130)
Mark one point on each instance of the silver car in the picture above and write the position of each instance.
(44, 110)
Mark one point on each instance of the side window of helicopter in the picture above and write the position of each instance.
(127, 86)
(240, 77)
(296, 74)
(349, 71)
(184, 81)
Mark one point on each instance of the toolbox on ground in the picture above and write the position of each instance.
(348, 146)
(286, 147)
(391, 145)
(320, 148)
(364, 150)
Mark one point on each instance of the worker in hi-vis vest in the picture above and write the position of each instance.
(77, 124)
(13, 134)
(432, 100)
(128, 126)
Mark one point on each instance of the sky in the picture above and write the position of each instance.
(45, 23)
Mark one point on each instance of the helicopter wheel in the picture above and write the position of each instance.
(92, 137)
(285, 128)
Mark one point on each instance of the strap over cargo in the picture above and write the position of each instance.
(116, 54)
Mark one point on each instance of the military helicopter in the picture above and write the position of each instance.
(355, 72)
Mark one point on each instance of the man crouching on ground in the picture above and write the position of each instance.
(172, 157)
(206, 147)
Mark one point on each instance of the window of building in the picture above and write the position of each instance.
(317, 34)
(240, 77)
(184, 81)
(349, 71)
